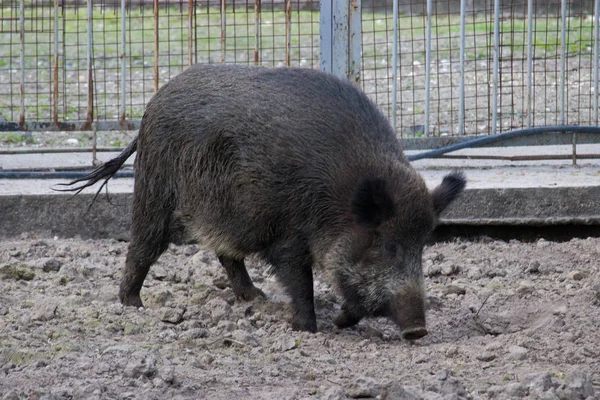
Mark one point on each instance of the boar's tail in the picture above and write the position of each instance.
(105, 171)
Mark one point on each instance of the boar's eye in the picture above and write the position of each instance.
(390, 249)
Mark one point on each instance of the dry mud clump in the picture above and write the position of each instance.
(507, 320)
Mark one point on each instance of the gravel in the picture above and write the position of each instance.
(507, 320)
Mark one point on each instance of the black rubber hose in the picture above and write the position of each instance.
(503, 136)
(427, 154)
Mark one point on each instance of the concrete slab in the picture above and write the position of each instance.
(498, 193)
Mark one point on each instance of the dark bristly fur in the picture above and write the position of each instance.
(292, 165)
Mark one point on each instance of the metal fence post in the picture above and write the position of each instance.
(341, 40)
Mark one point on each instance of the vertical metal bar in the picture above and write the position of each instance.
(563, 58)
(574, 145)
(355, 42)
(428, 66)
(325, 35)
(223, 29)
(340, 19)
(55, 72)
(190, 26)
(90, 79)
(288, 30)
(461, 93)
(256, 31)
(64, 52)
(123, 60)
(496, 67)
(395, 67)
(22, 55)
(94, 146)
(596, 57)
(155, 45)
(530, 91)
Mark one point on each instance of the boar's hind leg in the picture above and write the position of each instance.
(149, 239)
(240, 280)
(292, 264)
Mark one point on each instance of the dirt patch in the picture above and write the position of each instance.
(506, 320)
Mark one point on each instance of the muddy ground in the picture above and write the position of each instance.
(507, 320)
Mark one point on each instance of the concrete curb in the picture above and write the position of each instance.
(63, 215)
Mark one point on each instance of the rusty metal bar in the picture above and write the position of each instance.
(223, 29)
(596, 58)
(256, 31)
(428, 65)
(90, 78)
(288, 31)
(123, 60)
(395, 66)
(190, 23)
(22, 54)
(461, 93)
(563, 58)
(355, 41)
(55, 71)
(155, 45)
(496, 67)
(530, 92)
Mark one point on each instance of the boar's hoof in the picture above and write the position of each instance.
(249, 293)
(131, 300)
(414, 333)
(346, 320)
(304, 324)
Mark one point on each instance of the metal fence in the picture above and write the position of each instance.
(437, 68)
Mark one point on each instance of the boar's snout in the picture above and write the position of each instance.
(408, 312)
(414, 333)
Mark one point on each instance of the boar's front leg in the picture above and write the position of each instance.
(292, 264)
(240, 281)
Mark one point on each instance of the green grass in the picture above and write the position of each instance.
(238, 45)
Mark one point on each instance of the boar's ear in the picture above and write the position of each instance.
(451, 187)
(372, 204)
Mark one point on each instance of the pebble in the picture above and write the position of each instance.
(398, 392)
(486, 356)
(516, 390)
(45, 311)
(219, 309)
(450, 269)
(159, 273)
(543, 243)
(52, 265)
(575, 275)
(533, 267)
(580, 384)
(145, 366)
(245, 337)
(445, 384)
(538, 381)
(167, 374)
(363, 387)
(172, 315)
(284, 343)
(433, 270)
(453, 289)
(195, 333)
(517, 352)
(525, 287)
(72, 141)
(116, 309)
(560, 310)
